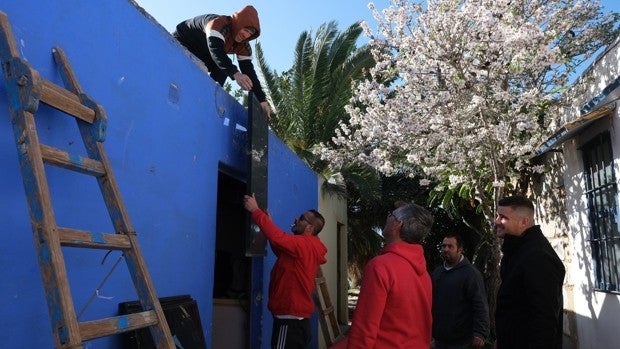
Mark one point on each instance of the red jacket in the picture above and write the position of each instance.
(293, 275)
(394, 305)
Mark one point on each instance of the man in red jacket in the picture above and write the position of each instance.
(293, 275)
(394, 305)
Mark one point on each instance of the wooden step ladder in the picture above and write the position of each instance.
(25, 90)
(327, 313)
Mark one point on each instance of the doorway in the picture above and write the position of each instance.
(231, 284)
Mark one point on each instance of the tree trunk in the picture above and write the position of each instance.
(493, 279)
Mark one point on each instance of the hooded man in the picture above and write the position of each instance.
(213, 37)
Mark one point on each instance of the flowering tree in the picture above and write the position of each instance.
(475, 80)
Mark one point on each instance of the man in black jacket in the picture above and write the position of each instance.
(213, 37)
(460, 308)
(529, 301)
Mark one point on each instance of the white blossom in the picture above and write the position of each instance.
(473, 81)
(425, 182)
(499, 184)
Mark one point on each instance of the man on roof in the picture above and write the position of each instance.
(213, 37)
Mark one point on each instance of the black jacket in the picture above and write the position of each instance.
(529, 301)
(211, 38)
(460, 308)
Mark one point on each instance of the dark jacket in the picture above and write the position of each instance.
(529, 301)
(211, 38)
(460, 308)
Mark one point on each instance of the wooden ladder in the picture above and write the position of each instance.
(25, 90)
(327, 313)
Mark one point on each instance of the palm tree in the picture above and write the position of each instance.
(309, 102)
(309, 99)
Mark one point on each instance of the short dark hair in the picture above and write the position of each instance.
(417, 222)
(317, 221)
(457, 237)
(516, 201)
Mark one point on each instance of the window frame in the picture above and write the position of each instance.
(601, 194)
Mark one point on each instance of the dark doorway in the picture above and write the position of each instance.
(232, 273)
(231, 281)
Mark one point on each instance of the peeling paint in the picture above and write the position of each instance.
(97, 238)
(122, 322)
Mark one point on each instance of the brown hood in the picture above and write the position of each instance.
(246, 17)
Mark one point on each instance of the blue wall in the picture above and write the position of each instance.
(169, 126)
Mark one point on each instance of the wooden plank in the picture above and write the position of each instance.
(118, 324)
(257, 160)
(66, 101)
(79, 238)
(60, 158)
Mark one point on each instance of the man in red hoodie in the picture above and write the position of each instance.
(293, 275)
(394, 305)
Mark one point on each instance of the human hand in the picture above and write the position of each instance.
(266, 109)
(249, 202)
(243, 81)
(477, 342)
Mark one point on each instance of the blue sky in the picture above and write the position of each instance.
(282, 21)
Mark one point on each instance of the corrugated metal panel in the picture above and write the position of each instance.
(573, 128)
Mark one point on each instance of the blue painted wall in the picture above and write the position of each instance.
(169, 126)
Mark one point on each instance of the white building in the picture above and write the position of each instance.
(578, 203)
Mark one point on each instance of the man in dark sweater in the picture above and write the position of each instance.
(460, 308)
(529, 301)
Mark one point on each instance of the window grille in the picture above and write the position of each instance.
(601, 195)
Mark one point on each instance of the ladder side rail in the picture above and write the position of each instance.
(327, 313)
(23, 89)
(116, 209)
(8, 46)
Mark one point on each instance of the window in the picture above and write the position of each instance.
(601, 191)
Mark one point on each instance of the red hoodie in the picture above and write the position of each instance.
(293, 275)
(394, 305)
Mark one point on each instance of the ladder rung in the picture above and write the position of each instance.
(118, 324)
(57, 157)
(80, 238)
(65, 101)
(328, 310)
